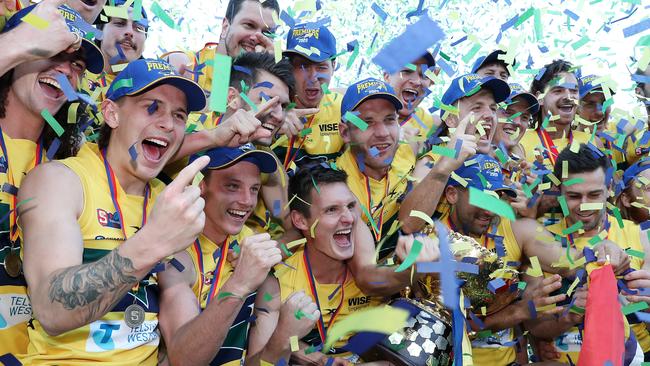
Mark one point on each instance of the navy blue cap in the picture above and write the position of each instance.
(516, 90)
(363, 90)
(492, 57)
(144, 20)
(76, 24)
(147, 73)
(587, 84)
(634, 170)
(312, 41)
(489, 168)
(468, 84)
(225, 157)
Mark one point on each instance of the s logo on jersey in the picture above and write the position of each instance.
(108, 219)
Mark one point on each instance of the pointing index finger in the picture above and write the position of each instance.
(265, 107)
(306, 111)
(462, 125)
(188, 173)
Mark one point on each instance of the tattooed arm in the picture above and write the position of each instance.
(65, 293)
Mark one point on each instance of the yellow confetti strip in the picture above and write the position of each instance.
(573, 286)
(35, 21)
(295, 243)
(594, 206)
(197, 179)
(421, 215)
(313, 228)
(385, 319)
(535, 269)
(293, 340)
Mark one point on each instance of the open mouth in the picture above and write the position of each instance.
(126, 44)
(269, 126)
(566, 108)
(381, 148)
(154, 148)
(312, 93)
(342, 237)
(89, 2)
(248, 46)
(237, 215)
(50, 87)
(510, 129)
(409, 96)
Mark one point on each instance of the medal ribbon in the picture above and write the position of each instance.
(38, 158)
(549, 146)
(322, 330)
(380, 220)
(199, 256)
(288, 157)
(405, 121)
(214, 287)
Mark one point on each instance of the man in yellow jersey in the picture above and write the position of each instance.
(26, 91)
(585, 188)
(28, 43)
(493, 64)
(123, 41)
(473, 121)
(411, 85)
(513, 121)
(325, 212)
(557, 92)
(247, 27)
(92, 249)
(230, 189)
(634, 196)
(311, 49)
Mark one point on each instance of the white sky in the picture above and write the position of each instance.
(605, 53)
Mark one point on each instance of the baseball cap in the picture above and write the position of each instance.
(489, 168)
(468, 84)
(491, 57)
(143, 74)
(76, 24)
(363, 90)
(516, 90)
(634, 170)
(225, 157)
(143, 20)
(312, 41)
(587, 84)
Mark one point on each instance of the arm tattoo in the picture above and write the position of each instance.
(98, 286)
(39, 52)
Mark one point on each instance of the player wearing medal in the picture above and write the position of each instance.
(586, 203)
(227, 292)
(25, 91)
(325, 212)
(91, 250)
(311, 49)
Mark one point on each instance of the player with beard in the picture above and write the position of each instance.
(246, 27)
(25, 91)
(27, 43)
(311, 49)
(230, 189)
(411, 87)
(557, 92)
(634, 199)
(514, 242)
(493, 65)
(513, 121)
(475, 100)
(589, 168)
(325, 212)
(642, 90)
(123, 41)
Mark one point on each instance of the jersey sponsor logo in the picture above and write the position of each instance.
(358, 301)
(116, 335)
(108, 219)
(327, 129)
(14, 309)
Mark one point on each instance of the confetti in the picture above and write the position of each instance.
(35, 21)
(52, 122)
(385, 319)
(411, 257)
(355, 120)
(490, 203)
(220, 81)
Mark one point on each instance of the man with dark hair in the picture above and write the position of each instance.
(311, 49)
(325, 212)
(642, 89)
(29, 91)
(589, 172)
(557, 92)
(493, 64)
(246, 27)
(513, 121)
(230, 189)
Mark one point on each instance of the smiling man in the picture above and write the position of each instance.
(25, 91)
(92, 249)
(492, 65)
(513, 120)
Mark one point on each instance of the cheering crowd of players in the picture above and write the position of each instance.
(142, 227)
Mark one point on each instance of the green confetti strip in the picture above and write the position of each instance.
(573, 228)
(370, 218)
(444, 151)
(248, 101)
(411, 257)
(573, 181)
(162, 14)
(352, 118)
(52, 122)
(220, 81)
(634, 307)
(124, 83)
(267, 297)
(635, 253)
(565, 208)
(490, 203)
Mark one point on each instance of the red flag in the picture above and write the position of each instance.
(604, 334)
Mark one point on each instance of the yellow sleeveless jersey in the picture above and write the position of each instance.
(421, 120)
(533, 145)
(569, 343)
(108, 340)
(202, 70)
(380, 198)
(321, 137)
(212, 271)
(329, 295)
(15, 307)
(493, 350)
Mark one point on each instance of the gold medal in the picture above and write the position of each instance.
(134, 316)
(13, 264)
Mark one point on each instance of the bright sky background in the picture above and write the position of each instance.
(587, 32)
